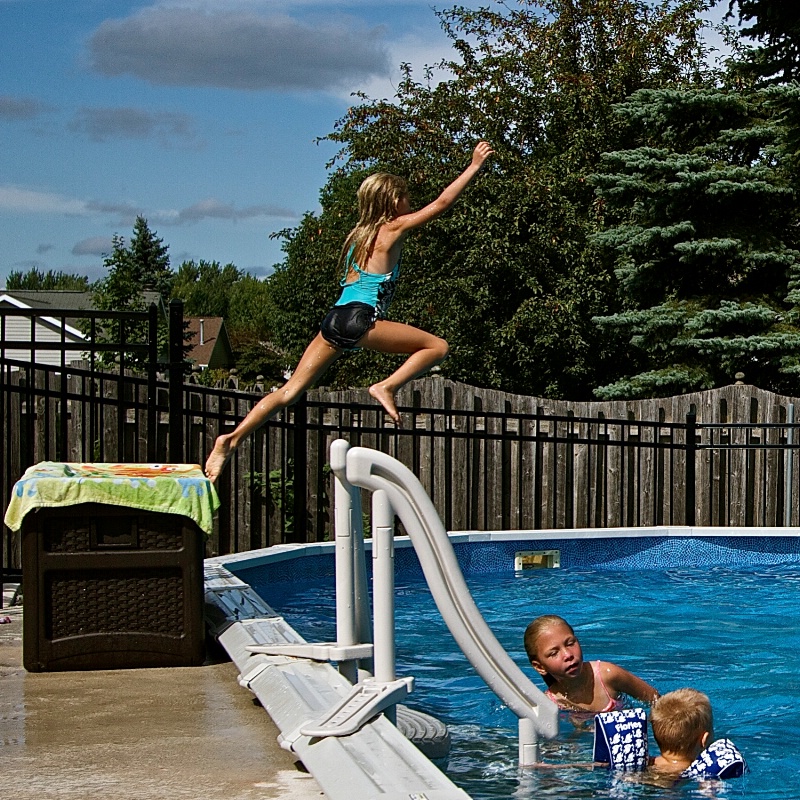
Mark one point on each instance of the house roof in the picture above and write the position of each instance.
(64, 299)
(58, 299)
(213, 335)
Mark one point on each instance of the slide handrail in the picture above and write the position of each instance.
(373, 470)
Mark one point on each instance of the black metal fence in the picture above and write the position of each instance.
(490, 461)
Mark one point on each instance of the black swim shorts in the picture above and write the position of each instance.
(344, 326)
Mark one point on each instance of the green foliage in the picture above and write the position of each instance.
(205, 287)
(248, 307)
(508, 276)
(775, 24)
(34, 279)
(255, 358)
(701, 228)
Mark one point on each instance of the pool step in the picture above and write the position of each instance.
(295, 691)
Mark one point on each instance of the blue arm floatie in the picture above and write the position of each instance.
(721, 759)
(620, 739)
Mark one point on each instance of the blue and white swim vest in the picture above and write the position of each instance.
(620, 740)
(721, 759)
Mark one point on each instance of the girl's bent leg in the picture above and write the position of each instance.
(425, 351)
(318, 356)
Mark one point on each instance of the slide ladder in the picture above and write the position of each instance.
(400, 492)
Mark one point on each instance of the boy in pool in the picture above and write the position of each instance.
(682, 727)
(683, 724)
(574, 685)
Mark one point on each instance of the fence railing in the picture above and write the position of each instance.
(489, 460)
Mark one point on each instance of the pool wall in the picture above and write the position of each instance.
(377, 762)
(482, 553)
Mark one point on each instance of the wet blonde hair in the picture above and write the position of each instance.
(534, 631)
(378, 198)
(680, 718)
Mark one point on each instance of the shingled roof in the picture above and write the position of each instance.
(209, 343)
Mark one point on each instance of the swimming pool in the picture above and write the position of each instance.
(715, 612)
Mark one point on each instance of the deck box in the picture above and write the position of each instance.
(108, 587)
(117, 583)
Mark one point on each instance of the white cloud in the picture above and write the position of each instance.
(20, 108)
(420, 49)
(31, 201)
(212, 208)
(18, 199)
(94, 246)
(239, 49)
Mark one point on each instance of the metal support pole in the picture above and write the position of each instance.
(691, 451)
(346, 630)
(383, 590)
(176, 438)
(152, 384)
(528, 743)
(300, 476)
(788, 494)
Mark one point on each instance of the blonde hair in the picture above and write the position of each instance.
(534, 631)
(680, 718)
(378, 198)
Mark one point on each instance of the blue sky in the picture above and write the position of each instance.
(200, 115)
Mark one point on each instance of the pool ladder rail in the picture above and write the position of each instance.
(396, 490)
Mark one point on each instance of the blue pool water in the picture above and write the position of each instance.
(730, 631)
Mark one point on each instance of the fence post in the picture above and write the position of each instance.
(152, 378)
(175, 441)
(691, 450)
(789, 477)
(300, 477)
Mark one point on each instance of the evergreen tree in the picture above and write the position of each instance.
(775, 24)
(702, 230)
(507, 276)
(141, 266)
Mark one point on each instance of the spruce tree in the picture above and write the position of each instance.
(142, 265)
(775, 25)
(701, 220)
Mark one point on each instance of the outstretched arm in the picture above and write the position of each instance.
(446, 199)
(626, 682)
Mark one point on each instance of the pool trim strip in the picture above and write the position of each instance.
(375, 763)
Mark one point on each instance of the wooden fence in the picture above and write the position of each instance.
(489, 460)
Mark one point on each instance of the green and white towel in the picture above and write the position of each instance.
(165, 488)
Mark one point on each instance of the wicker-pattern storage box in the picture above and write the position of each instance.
(110, 587)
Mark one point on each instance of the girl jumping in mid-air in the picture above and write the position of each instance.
(371, 256)
(583, 688)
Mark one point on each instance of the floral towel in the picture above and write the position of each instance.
(166, 488)
(620, 738)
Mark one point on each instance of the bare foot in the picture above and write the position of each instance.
(219, 458)
(386, 398)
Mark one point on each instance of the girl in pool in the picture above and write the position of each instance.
(371, 256)
(572, 683)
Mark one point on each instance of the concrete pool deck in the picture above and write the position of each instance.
(187, 733)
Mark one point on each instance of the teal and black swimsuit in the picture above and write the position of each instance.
(361, 302)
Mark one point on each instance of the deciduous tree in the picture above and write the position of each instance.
(508, 276)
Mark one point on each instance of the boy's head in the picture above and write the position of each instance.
(682, 721)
